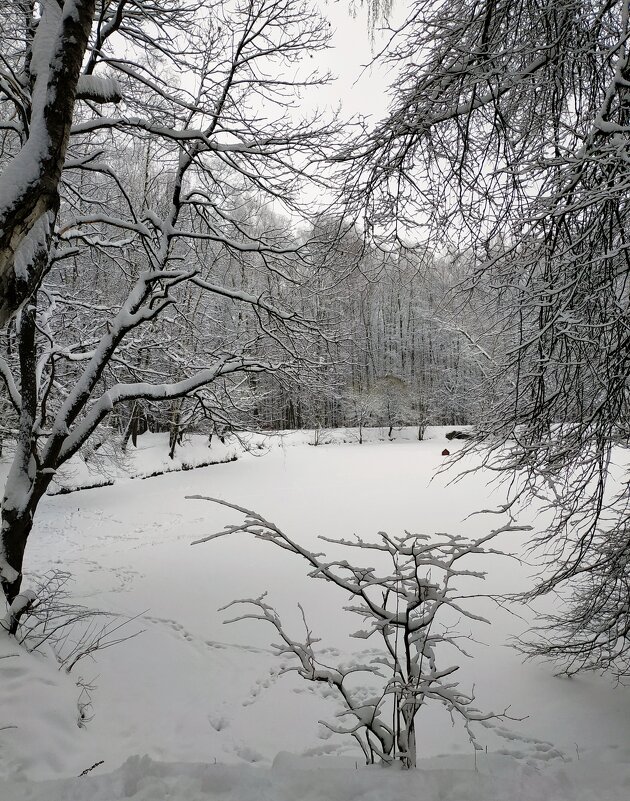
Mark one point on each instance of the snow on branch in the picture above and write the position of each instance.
(120, 393)
(9, 382)
(373, 734)
(98, 89)
(245, 297)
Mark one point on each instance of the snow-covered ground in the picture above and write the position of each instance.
(193, 709)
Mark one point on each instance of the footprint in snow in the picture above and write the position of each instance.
(248, 754)
(261, 684)
(218, 722)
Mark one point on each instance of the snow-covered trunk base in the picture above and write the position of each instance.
(16, 528)
(407, 736)
(17, 522)
(25, 488)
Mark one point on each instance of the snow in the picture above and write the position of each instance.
(32, 242)
(289, 779)
(46, 39)
(192, 709)
(20, 603)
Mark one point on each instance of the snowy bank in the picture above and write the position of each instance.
(290, 779)
(207, 704)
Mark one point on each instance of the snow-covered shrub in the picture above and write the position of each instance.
(410, 607)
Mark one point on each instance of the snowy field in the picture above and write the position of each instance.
(194, 709)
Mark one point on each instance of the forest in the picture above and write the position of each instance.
(204, 260)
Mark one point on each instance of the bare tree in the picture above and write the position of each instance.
(507, 139)
(403, 608)
(160, 236)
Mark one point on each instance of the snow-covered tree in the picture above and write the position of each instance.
(507, 140)
(142, 145)
(403, 604)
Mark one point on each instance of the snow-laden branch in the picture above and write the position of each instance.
(374, 735)
(9, 381)
(98, 89)
(442, 553)
(245, 297)
(269, 146)
(120, 393)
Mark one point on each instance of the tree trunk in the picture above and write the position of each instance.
(16, 526)
(131, 430)
(28, 479)
(174, 432)
(25, 488)
(27, 197)
(410, 759)
(407, 736)
(20, 497)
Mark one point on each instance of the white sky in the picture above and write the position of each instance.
(359, 90)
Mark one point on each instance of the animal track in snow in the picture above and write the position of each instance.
(178, 629)
(261, 684)
(218, 722)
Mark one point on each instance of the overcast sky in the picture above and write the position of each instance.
(359, 90)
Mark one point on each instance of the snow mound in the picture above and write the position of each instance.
(441, 779)
(39, 715)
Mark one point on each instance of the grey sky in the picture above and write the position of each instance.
(358, 90)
